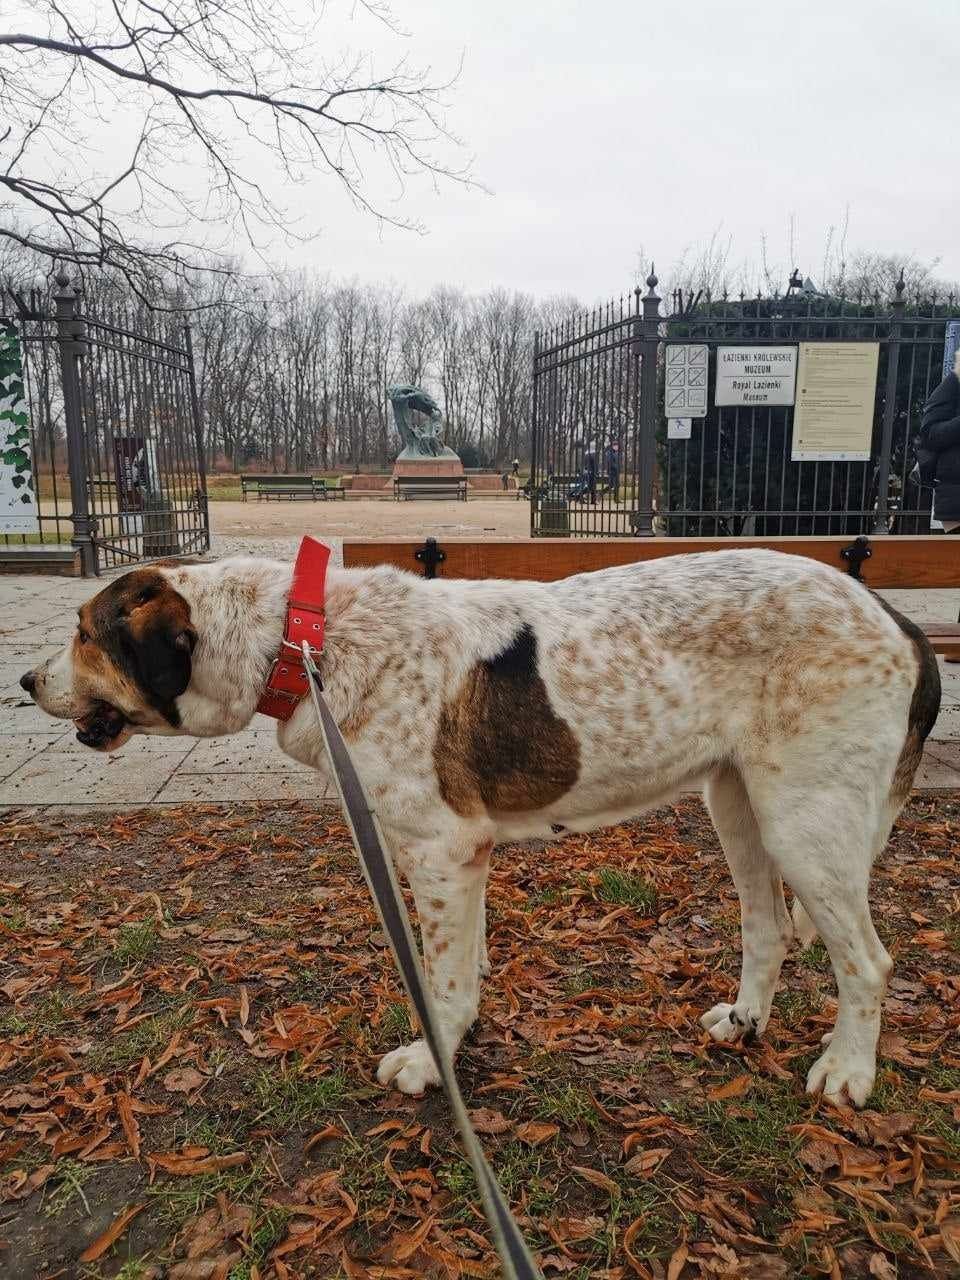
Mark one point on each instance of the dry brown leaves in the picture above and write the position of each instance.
(193, 1002)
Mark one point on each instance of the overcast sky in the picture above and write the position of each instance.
(602, 128)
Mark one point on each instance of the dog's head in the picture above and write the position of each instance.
(127, 664)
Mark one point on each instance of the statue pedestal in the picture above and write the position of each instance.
(435, 468)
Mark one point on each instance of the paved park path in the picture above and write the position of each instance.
(41, 763)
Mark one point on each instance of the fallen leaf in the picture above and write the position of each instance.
(535, 1132)
(487, 1121)
(677, 1262)
(182, 1165)
(734, 1088)
(950, 1235)
(329, 1134)
(128, 1121)
(880, 1267)
(112, 1234)
(819, 1156)
(597, 1178)
(183, 1080)
(645, 1162)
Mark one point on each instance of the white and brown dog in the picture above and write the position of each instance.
(480, 712)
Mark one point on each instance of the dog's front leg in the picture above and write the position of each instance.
(449, 897)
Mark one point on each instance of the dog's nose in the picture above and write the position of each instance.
(28, 681)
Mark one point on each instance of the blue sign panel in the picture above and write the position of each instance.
(951, 343)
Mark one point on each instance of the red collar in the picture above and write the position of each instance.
(288, 681)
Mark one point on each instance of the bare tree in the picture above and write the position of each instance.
(227, 102)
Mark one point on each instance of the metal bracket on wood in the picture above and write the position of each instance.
(430, 555)
(855, 555)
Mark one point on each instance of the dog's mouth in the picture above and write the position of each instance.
(103, 728)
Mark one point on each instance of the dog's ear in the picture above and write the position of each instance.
(161, 641)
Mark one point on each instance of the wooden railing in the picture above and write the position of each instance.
(894, 561)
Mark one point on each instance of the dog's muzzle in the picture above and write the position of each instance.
(101, 727)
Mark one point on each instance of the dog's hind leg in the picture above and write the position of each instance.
(823, 833)
(449, 897)
(765, 925)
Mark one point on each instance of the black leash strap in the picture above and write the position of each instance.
(378, 871)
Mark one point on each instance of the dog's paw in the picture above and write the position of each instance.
(410, 1069)
(732, 1022)
(843, 1078)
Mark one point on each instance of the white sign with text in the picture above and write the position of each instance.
(756, 376)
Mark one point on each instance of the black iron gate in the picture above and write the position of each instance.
(603, 464)
(115, 435)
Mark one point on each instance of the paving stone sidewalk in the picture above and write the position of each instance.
(41, 763)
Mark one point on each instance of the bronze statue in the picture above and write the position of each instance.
(419, 442)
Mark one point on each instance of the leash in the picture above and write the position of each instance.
(378, 872)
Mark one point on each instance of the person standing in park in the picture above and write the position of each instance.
(612, 463)
(590, 472)
(940, 436)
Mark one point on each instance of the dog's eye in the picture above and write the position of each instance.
(82, 636)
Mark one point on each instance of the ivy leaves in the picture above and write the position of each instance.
(14, 422)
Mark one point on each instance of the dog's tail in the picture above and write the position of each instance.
(924, 706)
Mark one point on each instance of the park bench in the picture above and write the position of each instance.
(892, 561)
(290, 487)
(566, 487)
(405, 487)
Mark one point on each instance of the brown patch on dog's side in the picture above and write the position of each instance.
(500, 746)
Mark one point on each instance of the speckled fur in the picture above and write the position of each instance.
(779, 684)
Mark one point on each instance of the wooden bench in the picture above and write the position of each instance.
(895, 561)
(406, 487)
(944, 638)
(290, 487)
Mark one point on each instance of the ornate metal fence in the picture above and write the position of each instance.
(115, 435)
(603, 464)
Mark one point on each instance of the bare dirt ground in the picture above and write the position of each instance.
(369, 518)
(193, 1001)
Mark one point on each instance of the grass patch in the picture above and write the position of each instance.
(14, 921)
(135, 942)
(795, 1005)
(66, 1187)
(569, 1106)
(544, 898)
(310, 986)
(577, 983)
(289, 1098)
(178, 1199)
(395, 1024)
(752, 1136)
(364, 1177)
(815, 957)
(139, 1042)
(13, 1024)
(267, 1233)
(132, 1269)
(521, 1174)
(624, 888)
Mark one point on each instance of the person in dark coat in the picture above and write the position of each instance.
(590, 472)
(940, 433)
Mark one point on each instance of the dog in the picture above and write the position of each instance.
(479, 712)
